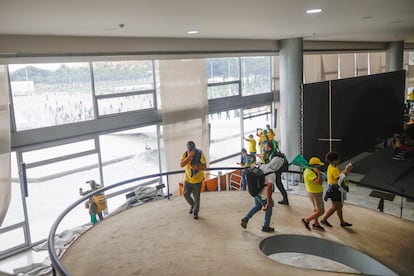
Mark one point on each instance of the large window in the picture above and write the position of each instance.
(225, 134)
(253, 119)
(50, 94)
(123, 86)
(54, 176)
(15, 213)
(128, 154)
(256, 75)
(223, 76)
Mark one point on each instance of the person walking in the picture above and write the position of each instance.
(313, 184)
(264, 199)
(194, 161)
(269, 153)
(333, 174)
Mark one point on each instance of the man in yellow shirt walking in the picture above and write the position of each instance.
(194, 161)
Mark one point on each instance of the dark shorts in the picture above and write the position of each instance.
(333, 193)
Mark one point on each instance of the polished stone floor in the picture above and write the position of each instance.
(358, 196)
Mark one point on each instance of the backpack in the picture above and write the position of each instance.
(100, 202)
(285, 165)
(255, 180)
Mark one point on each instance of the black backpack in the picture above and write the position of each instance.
(255, 180)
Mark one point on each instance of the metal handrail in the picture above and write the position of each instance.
(55, 262)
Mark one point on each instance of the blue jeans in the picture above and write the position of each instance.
(244, 180)
(260, 203)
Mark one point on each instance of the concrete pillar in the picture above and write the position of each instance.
(395, 56)
(291, 78)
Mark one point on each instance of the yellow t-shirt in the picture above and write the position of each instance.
(333, 174)
(270, 134)
(308, 177)
(199, 175)
(252, 145)
(262, 138)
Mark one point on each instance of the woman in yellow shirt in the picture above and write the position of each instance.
(333, 192)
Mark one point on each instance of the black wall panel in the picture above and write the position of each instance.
(363, 110)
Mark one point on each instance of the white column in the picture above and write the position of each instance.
(395, 56)
(291, 78)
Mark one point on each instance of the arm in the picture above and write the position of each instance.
(82, 192)
(347, 169)
(318, 179)
(200, 167)
(274, 165)
(186, 160)
(269, 191)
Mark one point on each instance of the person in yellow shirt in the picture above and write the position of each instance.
(251, 145)
(261, 142)
(270, 134)
(194, 161)
(334, 193)
(313, 184)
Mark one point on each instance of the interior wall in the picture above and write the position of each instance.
(5, 172)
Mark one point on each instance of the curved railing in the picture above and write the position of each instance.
(56, 264)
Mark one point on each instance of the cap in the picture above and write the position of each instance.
(316, 161)
(244, 150)
(190, 144)
(92, 183)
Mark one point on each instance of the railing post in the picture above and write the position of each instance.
(219, 181)
(227, 182)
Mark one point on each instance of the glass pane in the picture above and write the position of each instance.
(11, 239)
(122, 76)
(15, 212)
(125, 104)
(253, 119)
(52, 188)
(222, 69)
(221, 91)
(50, 94)
(129, 154)
(225, 134)
(362, 64)
(256, 75)
(58, 151)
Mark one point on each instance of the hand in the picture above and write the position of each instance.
(190, 153)
(348, 168)
(266, 207)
